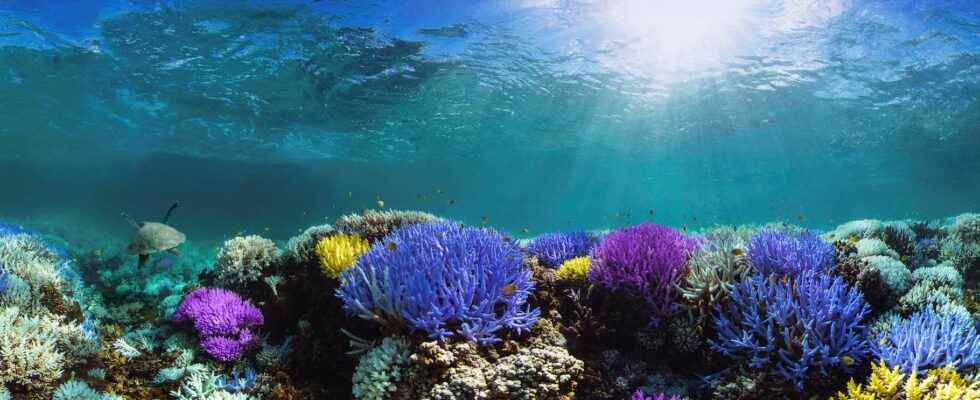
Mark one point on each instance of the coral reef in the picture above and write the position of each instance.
(442, 279)
(927, 340)
(884, 383)
(646, 260)
(423, 308)
(774, 252)
(795, 328)
(374, 225)
(337, 253)
(553, 249)
(243, 260)
(222, 320)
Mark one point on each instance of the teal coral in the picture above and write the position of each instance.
(379, 370)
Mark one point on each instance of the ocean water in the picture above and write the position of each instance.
(529, 116)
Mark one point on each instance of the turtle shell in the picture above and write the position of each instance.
(154, 237)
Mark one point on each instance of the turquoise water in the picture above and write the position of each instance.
(266, 116)
(810, 167)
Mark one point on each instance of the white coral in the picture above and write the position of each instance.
(243, 259)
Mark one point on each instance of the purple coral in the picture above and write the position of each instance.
(443, 279)
(797, 327)
(647, 259)
(222, 319)
(639, 395)
(774, 252)
(555, 248)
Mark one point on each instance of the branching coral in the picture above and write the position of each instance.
(553, 249)
(713, 270)
(442, 279)
(927, 340)
(222, 320)
(76, 390)
(646, 260)
(374, 225)
(35, 349)
(379, 370)
(774, 252)
(892, 384)
(639, 395)
(242, 260)
(808, 324)
(338, 252)
(575, 269)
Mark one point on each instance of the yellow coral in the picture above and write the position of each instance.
(892, 384)
(575, 269)
(337, 253)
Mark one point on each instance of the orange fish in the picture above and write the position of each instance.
(508, 289)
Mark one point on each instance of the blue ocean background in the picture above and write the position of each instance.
(531, 116)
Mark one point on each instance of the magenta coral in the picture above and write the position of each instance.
(222, 319)
(647, 259)
(639, 395)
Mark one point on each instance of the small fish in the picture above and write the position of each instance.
(439, 191)
(525, 230)
(847, 361)
(484, 220)
(451, 201)
(738, 252)
(267, 229)
(801, 218)
(350, 194)
(651, 212)
(508, 289)
(381, 204)
(506, 238)
(391, 246)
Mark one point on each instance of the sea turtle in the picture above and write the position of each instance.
(153, 237)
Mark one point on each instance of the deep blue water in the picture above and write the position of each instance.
(268, 117)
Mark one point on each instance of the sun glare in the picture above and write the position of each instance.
(678, 35)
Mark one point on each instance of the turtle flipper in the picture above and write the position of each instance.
(142, 262)
(131, 221)
(170, 211)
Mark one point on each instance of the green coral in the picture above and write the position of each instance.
(76, 390)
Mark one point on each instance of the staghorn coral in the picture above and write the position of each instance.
(575, 269)
(927, 340)
(892, 384)
(337, 253)
(374, 225)
(772, 252)
(222, 320)
(442, 279)
(34, 350)
(553, 249)
(379, 370)
(243, 260)
(794, 328)
(645, 260)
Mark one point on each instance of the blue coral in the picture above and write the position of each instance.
(443, 279)
(928, 340)
(555, 248)
(774, 252)
(795, 327)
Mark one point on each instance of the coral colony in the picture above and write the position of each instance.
(406, 305)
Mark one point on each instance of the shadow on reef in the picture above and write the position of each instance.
(405, 305)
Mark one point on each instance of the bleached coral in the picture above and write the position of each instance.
(299, 249)
(374, 225)
(34, 350)
(874, 247)
(76, 390)
(379, 370)
(893, 272)
(242, 260)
